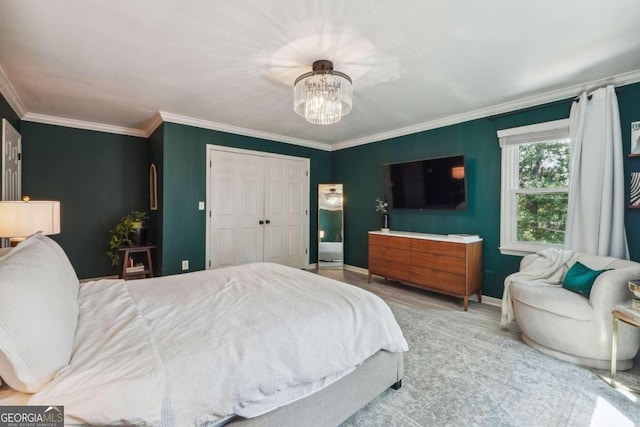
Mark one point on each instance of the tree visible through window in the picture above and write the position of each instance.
(535, 187)
(543, 194)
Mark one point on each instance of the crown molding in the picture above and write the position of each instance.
(79, 124)
(532, 101)
(153, 124)
(206, 124)
(9, 92)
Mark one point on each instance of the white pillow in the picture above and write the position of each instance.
(38, 313)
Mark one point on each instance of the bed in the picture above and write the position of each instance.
(254, 345)
(330, 251)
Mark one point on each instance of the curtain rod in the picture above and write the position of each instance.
(549, 104)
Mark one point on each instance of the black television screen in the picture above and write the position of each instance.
(426, 184)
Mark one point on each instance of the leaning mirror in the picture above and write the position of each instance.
(330, 226)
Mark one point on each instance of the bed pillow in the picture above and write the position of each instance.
(38, 313)
(580, 278)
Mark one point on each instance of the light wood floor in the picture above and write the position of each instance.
(485, 315)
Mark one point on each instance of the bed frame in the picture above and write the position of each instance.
(337, 402)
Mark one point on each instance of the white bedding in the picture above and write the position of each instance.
(186, 349)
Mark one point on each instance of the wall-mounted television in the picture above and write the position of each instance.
(438, 183)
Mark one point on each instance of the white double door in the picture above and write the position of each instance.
(258, 208)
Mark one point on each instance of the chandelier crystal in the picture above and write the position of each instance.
(323, 96)
(333, 198)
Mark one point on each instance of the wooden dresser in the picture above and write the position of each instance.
(450, 265)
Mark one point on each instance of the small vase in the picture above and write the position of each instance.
(386, 222)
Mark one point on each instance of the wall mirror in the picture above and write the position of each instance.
(330, 226)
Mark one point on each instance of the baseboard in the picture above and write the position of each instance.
(356, 269)
(491, 301)
(313, 266)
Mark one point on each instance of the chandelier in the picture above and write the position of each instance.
(333, 198)
(322, 96)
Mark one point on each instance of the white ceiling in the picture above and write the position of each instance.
(230, 65)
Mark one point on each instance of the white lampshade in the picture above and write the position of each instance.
(22, 219)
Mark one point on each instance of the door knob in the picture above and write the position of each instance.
(268, 222)
(261, 222)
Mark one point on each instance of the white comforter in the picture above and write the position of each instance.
(186, 349)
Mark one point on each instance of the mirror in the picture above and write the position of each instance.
(330, 226)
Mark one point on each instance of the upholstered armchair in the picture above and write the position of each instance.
(573, 327)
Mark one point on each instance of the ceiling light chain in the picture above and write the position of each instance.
(323, 96)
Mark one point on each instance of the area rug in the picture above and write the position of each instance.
(460, 374)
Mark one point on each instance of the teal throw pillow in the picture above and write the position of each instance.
(580, 278)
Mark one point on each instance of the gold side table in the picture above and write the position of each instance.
(618, 316)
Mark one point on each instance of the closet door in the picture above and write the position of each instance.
(286, 201)
(258, 208)
(237, 206)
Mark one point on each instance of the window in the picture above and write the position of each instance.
(535, 187)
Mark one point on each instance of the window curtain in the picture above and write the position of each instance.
(595, 217)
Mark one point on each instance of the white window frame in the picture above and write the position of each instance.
(510, 140)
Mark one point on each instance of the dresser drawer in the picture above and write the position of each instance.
(389, 242)
(457, 250)
(388, 269)
(438, 262)
(448, 282)
(396, 255)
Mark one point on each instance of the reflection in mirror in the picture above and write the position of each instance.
(330, 226)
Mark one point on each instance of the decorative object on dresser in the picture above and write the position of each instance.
(450, 265)
(385, 223)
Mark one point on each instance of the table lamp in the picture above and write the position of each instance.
(20, 219)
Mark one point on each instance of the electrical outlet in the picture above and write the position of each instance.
(201, 206)
(185, 264)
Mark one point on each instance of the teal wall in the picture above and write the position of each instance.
(360, 169)
(629, 106)
(6, 112)
(156, 154)
(184, 185)
(98, 178)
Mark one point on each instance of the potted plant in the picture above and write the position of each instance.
(130, 231)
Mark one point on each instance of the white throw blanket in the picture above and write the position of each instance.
(550, 267)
